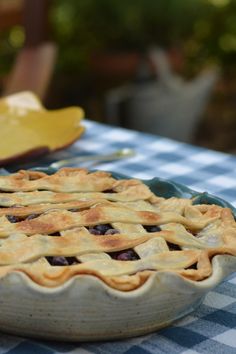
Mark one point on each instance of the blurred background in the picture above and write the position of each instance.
(167, 67)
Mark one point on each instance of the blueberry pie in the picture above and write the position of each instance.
(76, 222)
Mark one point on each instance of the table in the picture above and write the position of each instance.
(212, 327)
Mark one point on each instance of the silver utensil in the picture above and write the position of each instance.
(117, 155)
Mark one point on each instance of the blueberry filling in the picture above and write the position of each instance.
(126, 255)
(152, 228)
(105, 229)
(55, 234)
(109, 191)
(62, 261)
(193, 266)
(93, 231)
(173, 247)
(13, 219)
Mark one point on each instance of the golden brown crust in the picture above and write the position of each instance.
(72, 200)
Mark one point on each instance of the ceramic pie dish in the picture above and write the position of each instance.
(95, 256)
(29, 130)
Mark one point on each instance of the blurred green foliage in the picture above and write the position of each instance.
(205, 30)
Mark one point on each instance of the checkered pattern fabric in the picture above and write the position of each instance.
(212, 327)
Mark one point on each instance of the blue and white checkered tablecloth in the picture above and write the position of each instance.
(212, 327)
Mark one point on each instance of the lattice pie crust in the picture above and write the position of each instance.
(54, 227)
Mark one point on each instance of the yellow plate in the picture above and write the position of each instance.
(28, 129)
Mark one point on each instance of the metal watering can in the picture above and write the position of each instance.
(167, 105)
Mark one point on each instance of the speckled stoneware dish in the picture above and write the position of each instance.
(86, 309)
